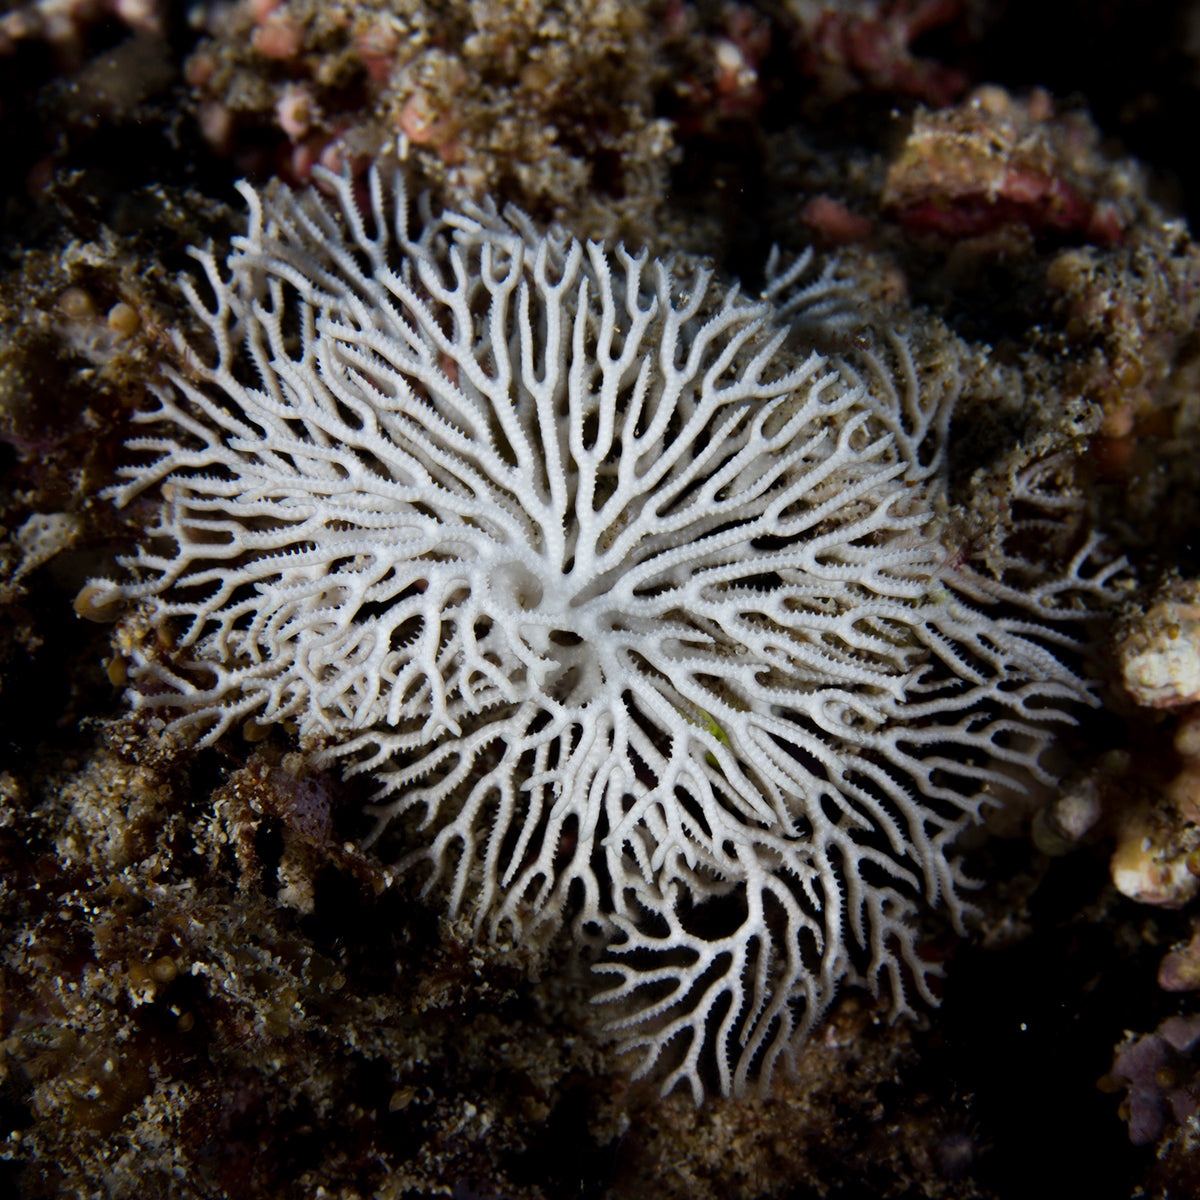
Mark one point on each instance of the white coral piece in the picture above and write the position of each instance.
(642, 622)
(1159, 649)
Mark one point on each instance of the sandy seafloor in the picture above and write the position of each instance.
(205, 987)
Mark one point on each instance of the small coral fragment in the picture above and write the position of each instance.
(43, 536)
(1179, 970)
(1159, 652)
(1065, 821)
(1151, 862)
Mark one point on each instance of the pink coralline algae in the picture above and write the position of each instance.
(1160, 1075)
(996, 163)
(868, 47)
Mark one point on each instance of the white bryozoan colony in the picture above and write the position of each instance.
(644, 622)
